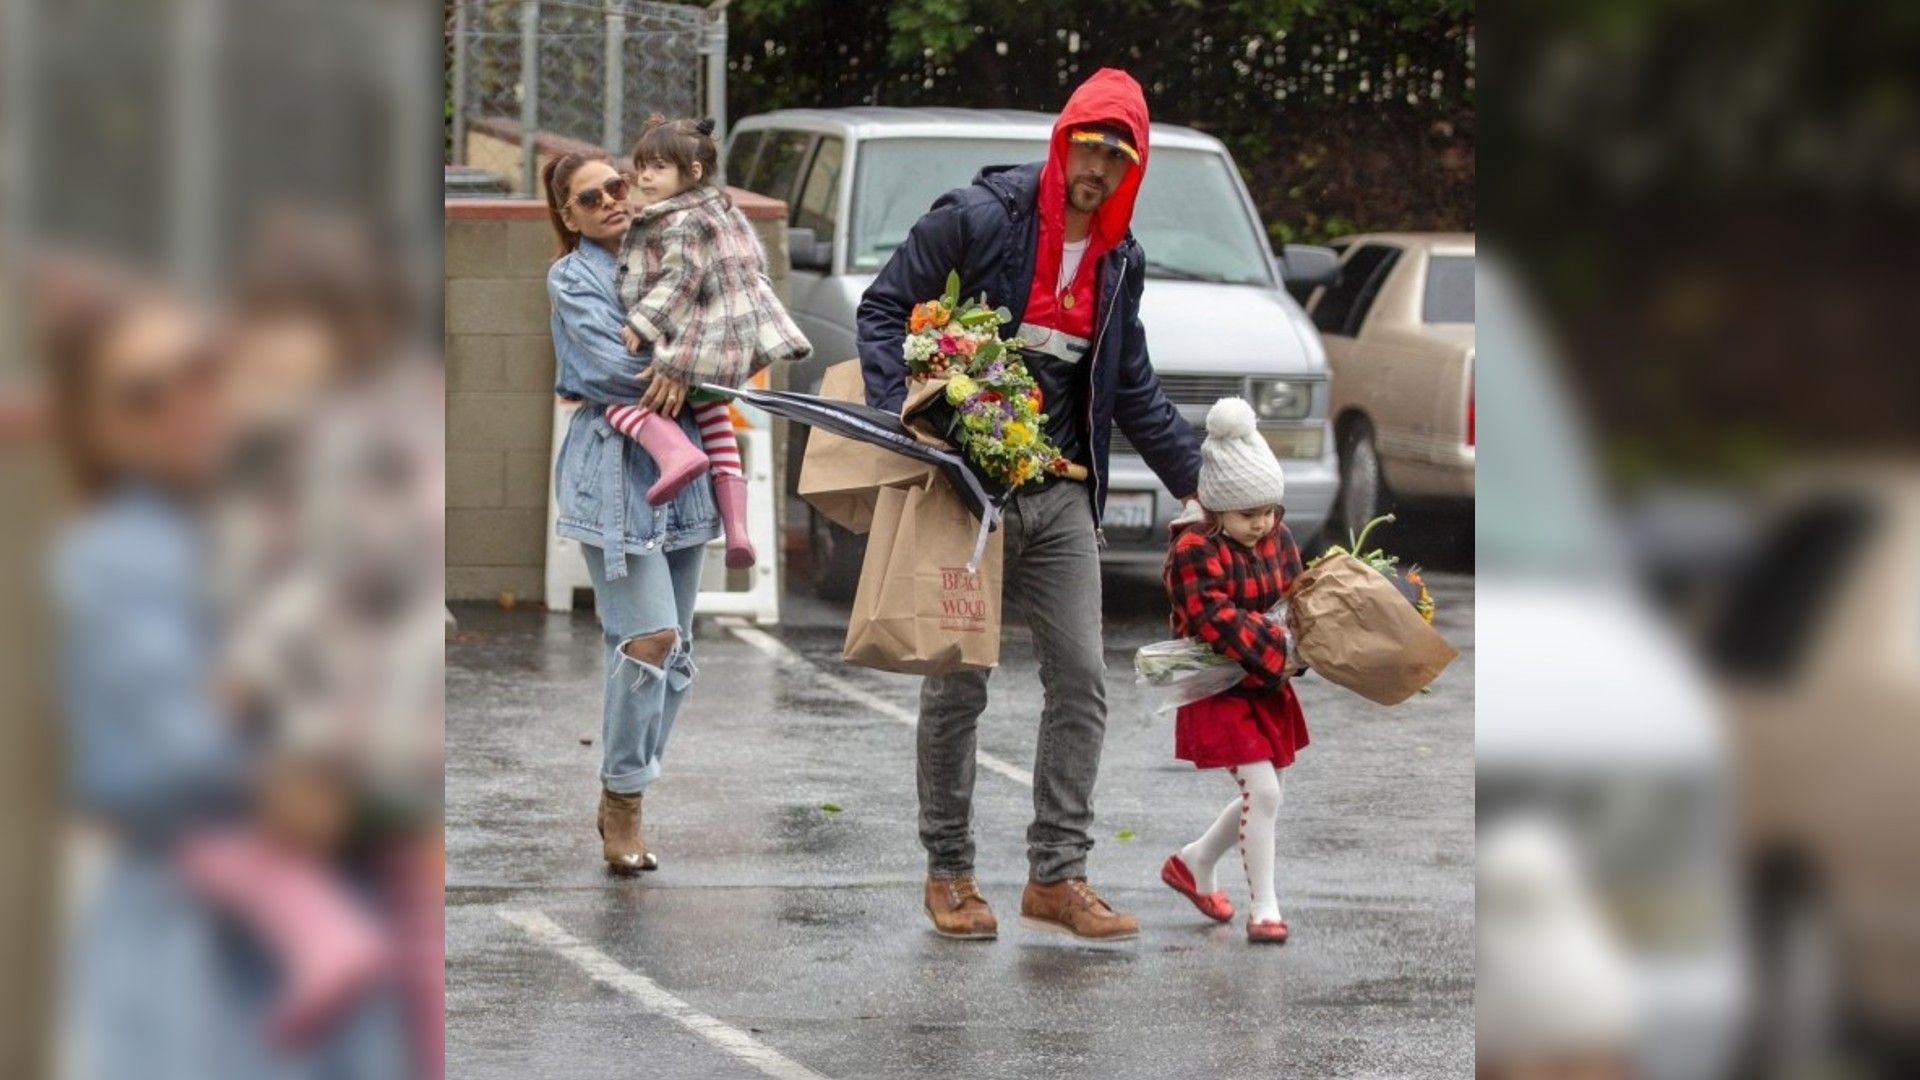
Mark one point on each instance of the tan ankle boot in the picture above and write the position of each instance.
(622, 844)
(1072, 907)
(958, 910)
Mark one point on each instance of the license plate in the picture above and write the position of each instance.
(1130, 510)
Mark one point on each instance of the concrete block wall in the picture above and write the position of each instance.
(500, 387)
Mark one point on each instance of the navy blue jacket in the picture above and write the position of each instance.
(988, 231)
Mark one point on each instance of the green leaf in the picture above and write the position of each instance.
(951, 298)
(831, 808)
(1123, 835)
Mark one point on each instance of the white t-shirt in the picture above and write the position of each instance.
(1070, 254)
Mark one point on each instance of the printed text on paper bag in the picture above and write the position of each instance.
(963, 604)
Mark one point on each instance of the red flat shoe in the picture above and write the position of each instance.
(1213, 905)
(1267, 931)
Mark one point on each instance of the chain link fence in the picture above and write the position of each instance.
(218, 114)
(525, 73)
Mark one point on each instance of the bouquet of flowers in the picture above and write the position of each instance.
(1181, 671)
(992, 403)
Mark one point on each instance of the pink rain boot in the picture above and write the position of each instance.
(730, 491)
(413, 874)
(681, 462)
(330, 951)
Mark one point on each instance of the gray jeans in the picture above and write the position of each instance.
(1052, 570)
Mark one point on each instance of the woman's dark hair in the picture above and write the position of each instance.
(557, 178)
(337, 272)
(682, 144)
(78, 313)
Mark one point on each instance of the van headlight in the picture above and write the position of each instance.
(1275, 400)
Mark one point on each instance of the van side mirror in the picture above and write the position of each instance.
(1307, 266)
(806, 251)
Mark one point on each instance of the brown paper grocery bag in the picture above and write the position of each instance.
(840, 477)
(918, 610)
(1354, 629)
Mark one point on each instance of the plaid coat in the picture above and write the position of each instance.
(693, 280)
(1222, 591)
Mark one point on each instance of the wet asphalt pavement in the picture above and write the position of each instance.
(780, 938)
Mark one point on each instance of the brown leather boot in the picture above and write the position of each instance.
(621, 841)
(958, 910)
(1072, 907)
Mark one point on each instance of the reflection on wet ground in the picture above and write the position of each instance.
(800, 928)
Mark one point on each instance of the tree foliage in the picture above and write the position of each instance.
(1344, 115)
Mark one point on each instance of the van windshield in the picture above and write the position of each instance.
(1189, 218)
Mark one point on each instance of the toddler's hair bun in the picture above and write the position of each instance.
(704, 127)
(1230, 418)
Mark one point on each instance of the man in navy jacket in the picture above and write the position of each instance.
(1049, 241)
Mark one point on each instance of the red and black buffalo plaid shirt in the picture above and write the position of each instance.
(1222, 591)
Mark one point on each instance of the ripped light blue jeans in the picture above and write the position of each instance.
(642, 699)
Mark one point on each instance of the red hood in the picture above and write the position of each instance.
(1109, 96)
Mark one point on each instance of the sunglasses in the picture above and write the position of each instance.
(615, 189)
(148, 395)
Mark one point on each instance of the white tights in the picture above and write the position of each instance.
(1249, 819)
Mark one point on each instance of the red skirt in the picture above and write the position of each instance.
(1229, 729)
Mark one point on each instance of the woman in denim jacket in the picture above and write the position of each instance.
(644, 560)
(157, 984)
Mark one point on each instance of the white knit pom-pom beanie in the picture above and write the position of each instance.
(1237, 468)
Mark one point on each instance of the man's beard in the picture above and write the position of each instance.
(1084, 200)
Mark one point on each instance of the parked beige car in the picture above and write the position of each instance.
(1398, 329)
(1818, 640)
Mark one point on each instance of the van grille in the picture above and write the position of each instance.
(1202, 389)
(1121, 445)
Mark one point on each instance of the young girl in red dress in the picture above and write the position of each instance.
(1224, 574)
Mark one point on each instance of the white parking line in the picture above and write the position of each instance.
(778, 651)
(607, 971)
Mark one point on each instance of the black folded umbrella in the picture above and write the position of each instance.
(877, 427)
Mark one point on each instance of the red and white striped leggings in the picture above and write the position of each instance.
(714, 420)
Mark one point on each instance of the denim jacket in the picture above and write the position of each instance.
(149, 750)
(601, 478)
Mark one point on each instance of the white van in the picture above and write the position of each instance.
(1218, 320)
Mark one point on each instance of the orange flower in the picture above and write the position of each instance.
(932, 313)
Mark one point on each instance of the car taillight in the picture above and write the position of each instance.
(1469, 408)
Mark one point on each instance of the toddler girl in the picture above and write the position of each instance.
(693, 279)
(1224, 573)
